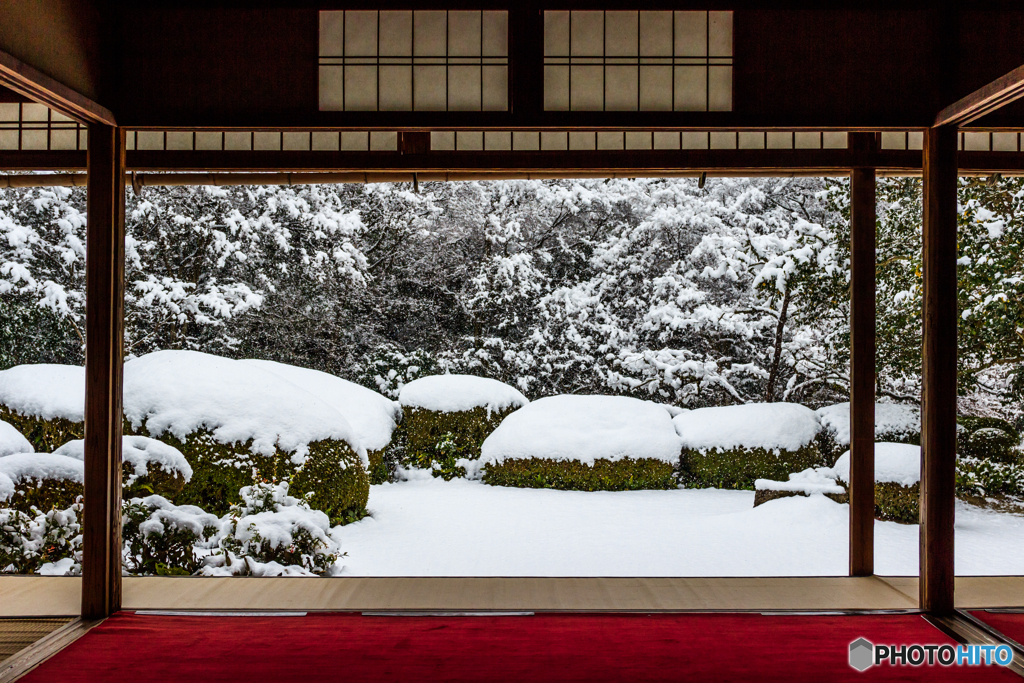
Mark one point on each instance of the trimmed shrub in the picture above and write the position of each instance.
(626, 474)
(435, 440)
(987, 438)
(161, 538)
(44, 435)
(977, 477)
(894, 423)
(332, 477)
(149, 467)
(42, 481)
(897, 503)
(738, 468)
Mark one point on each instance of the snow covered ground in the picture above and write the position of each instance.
(429, 527)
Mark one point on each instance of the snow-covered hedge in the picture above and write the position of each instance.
(987, 438)
(44, 481)
(446, 418)
(149, 466)
(12, 441)
(273, 534)
(46, 403)
(897, 480)
(894, 423)
(588, 443)
(236, 423)
(372, 416)
(732, 446)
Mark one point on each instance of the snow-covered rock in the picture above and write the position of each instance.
(809, 481)
(140, 453)
(182, 391)
(891, 421)
(457, 393)
(12, 441)
(45, 391)
(771, 426)
(896, 463)
(584, 428)
(372, 416)
(25, 467)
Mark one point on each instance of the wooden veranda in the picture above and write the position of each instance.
(220, 92)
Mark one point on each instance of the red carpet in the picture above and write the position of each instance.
(1010, 625)
(545, 647)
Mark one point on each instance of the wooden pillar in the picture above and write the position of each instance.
(938, 405)
(104, 356)
(862, 371)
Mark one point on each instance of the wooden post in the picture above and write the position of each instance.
(862, 369)
(938, 409)
(104, 356)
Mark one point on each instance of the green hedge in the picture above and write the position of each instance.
(436, 440)
(44, 494)
(155, 481)
(627, 474)
(333, 476)
(987, 438)
(738, 468)
(896, 503)
(45, 436)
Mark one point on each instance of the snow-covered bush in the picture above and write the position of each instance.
(978, 477)
(234, 421)
(897, 480)
(372, 416)
(987, 438)
(42, 481)
(161, 538)
(12, 441)
(46, 403)
(148, 466)
(45, 542)
(583, 443)
(447, 418)
(894, 423)
(732, 446)
(273, 534)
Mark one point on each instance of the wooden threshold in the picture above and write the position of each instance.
(42, 649)
(60, 596)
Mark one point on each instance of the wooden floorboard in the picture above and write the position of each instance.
(59, 596)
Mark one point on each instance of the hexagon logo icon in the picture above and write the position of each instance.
(862, 654)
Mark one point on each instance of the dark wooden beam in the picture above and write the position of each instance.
(37, 86)
(104, 357)
(862, 365)
(984, 101)
(938, 409)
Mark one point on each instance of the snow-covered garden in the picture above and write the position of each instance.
(575, 378)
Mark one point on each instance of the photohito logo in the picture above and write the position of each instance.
(864, 654)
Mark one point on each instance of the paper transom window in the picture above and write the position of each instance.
(431, 60)
(637, 61)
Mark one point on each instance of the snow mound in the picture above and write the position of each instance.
(898, 463)
(141, 452)
(457, 393)
(372, 416)
(584, 428)
(812, 480)
(22, 467)
(182, 391)
(45, 391)
(890, 418)
(772, 426)
(12, 441)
